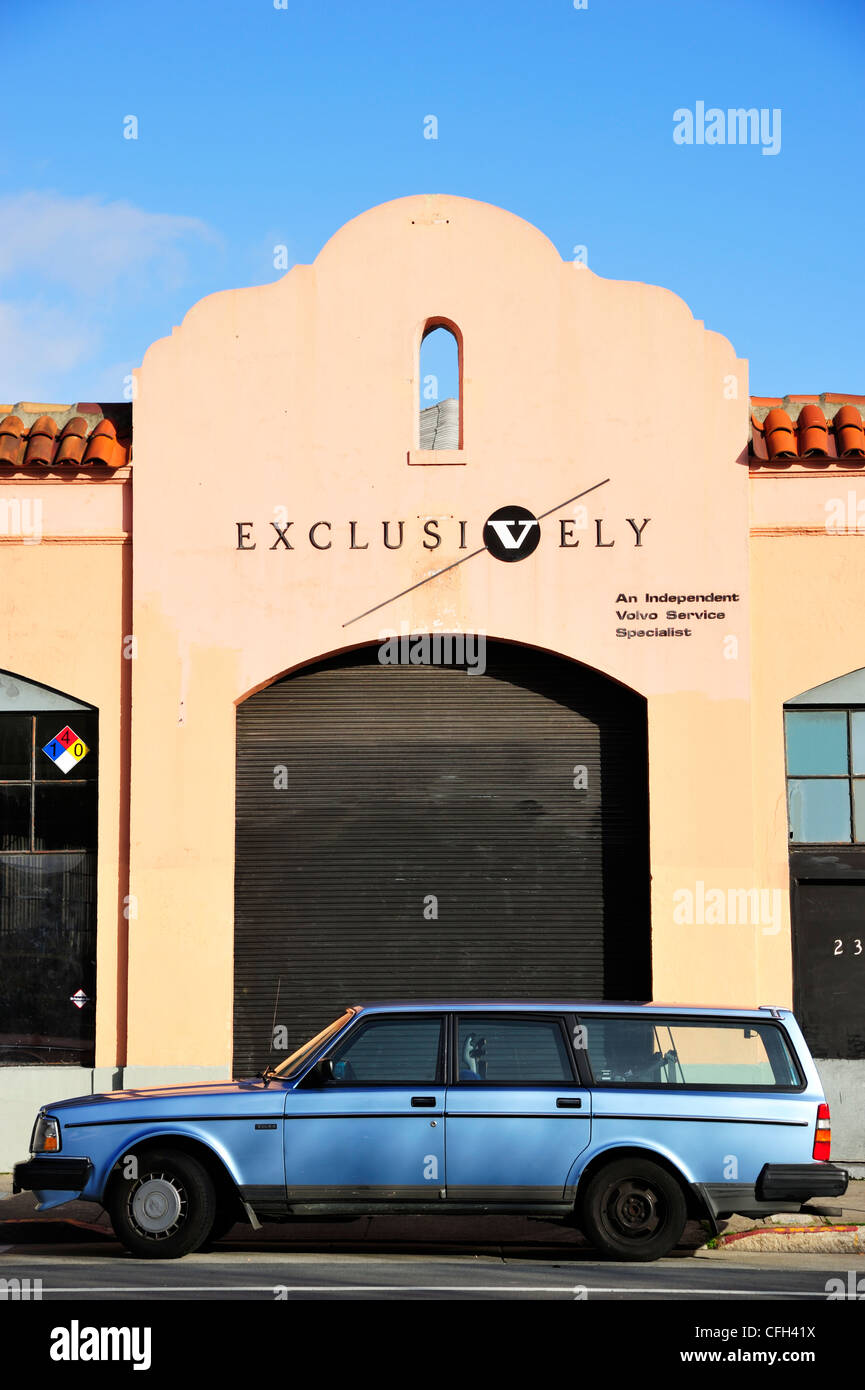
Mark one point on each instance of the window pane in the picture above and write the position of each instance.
(298, 1057)
(519, 1050)
(729, 1055)
(65, 817)
(16, 738)
(20, 696)
(632, 1052)
(391, 1050)
(819, 811)
(15, 817)
(66, 740)
(47, 953)
(440, 372)
(859, 809)
(622, 1051)
(857, 725)
(816, 742)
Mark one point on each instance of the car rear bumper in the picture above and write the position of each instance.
(779, 1187)
(52, 1175)
(780, 1182)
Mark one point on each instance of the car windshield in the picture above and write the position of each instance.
(293, 1063)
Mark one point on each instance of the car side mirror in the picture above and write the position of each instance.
(326, 1072)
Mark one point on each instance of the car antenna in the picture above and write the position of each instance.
(266, 1074)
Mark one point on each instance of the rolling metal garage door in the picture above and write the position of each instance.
(415, 831)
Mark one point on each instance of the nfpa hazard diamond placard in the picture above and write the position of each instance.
(66, 749)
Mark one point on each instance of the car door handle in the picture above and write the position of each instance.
(423, 1100)
(569, 1103)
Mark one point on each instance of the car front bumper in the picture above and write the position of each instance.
(52, 1174)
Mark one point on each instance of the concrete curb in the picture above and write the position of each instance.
(804, 1240)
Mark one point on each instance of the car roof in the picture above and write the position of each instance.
(581, 1006)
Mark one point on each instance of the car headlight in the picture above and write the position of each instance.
(46, 1135)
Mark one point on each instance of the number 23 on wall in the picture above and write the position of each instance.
(839, 947)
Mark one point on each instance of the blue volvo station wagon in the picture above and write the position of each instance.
(624, 1120)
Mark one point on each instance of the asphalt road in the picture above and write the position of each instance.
(97, 1268)
(73, 1251)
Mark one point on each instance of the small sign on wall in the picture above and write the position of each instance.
(66, 749)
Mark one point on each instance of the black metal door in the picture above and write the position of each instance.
(416, 831)
(828, 910)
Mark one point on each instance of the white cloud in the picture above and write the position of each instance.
(85, 243)
(38, 343)
(69, 270)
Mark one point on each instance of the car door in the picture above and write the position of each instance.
(373, 1131)
(517, 1115)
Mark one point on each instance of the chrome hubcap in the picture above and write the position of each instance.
(157, 1205)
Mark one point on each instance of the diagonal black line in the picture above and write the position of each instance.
(393, 598)
(573, 499)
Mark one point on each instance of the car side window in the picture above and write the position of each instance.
(688, 1052)
(500, 1048)
(391, 1050)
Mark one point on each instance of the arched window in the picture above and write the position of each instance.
(440, 387)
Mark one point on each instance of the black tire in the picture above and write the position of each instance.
(225, 1220)
(633, 1209)
(167, 1210)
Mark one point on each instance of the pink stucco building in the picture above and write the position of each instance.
(646, 780)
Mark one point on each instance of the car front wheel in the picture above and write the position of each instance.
(227, 1217)
(633, 1209)
(165, 1207)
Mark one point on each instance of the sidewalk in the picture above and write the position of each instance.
(834, 1226)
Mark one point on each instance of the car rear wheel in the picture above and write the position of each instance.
(633, 1209)
(166, 1209)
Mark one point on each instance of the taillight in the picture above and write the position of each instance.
(823, 1133)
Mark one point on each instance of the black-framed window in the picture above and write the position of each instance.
(689, 1053)
(48, 840)
(513, 1049)
(48, 781)
(825, 755)
(392, 1050)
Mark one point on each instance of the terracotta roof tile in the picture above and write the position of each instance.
(103, 446)
(73, 438)
(849, 432)
(813, 432)
(65, 437)
(822, 429)
(779, 435)
(11, 447)
(40, 441)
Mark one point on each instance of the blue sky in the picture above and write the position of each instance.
(261, 127)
